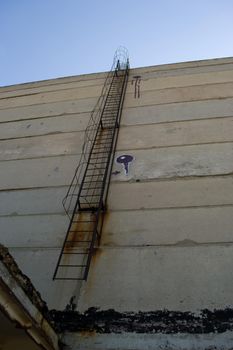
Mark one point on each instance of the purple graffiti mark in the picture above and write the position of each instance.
(136, 81)
(125, 159)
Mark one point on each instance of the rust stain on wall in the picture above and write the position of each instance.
(96, 255)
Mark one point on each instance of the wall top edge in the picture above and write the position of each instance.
(102, 75)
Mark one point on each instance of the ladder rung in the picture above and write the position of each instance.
(112, 102)
(88, 209)
(78, 241)
(81, 231)
(98, 158)
(92, 203)
(92, 188)
(99, 168)
(93, 175)
(109, 113)
(103, 145)
(106, 137)
(108, 134)
(81, 222)
(91, 182)
(103, 162)
(105, 142)
(108, 118)
(62, 265)
(69, 278)
(64, 253)
(100, 152)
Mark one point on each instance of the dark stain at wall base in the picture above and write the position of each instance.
(169, 322)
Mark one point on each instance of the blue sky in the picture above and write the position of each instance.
(43, 39)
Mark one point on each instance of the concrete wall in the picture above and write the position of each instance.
(167, 239)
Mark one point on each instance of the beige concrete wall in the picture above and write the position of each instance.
(167, 238)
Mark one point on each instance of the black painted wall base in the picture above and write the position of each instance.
(167, 322)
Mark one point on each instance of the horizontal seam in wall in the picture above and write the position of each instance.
(48, 91)
(13, 189)
(60, 214)
(174, 178)
(142, 246)
(44, 135)
(93, 85)
(169, 68)
(101, 85)
(130, 182)
(112, 211)
(42, 157)
(36, 248)
(178, 102)
(198, 120)
(50, 82)
(183, 101)
(195, 244)
(117, 150)
(45, 117)
(178, 87)
(188, 207)
(184, 87)
(124, 110)
(121, 127)
(173, 146)
(148, 76)
(50, 102)
(127, 94)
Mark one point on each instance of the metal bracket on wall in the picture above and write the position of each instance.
(85, 202)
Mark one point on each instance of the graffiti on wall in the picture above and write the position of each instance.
(136, 81)
(125, 160)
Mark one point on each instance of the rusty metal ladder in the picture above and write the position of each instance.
(84, 231)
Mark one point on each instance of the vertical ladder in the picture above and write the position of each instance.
(84, 231)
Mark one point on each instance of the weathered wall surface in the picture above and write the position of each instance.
(167, 239)
(42, 127)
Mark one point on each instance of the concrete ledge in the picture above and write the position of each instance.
(20, 302)
(130, 341)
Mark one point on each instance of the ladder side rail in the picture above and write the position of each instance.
(93, 146)
(80, 189)
(97, 110)
(92, 245)
(105, 102)
(74, 212)
(117, 131)
(113, 144)
(101, 209)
